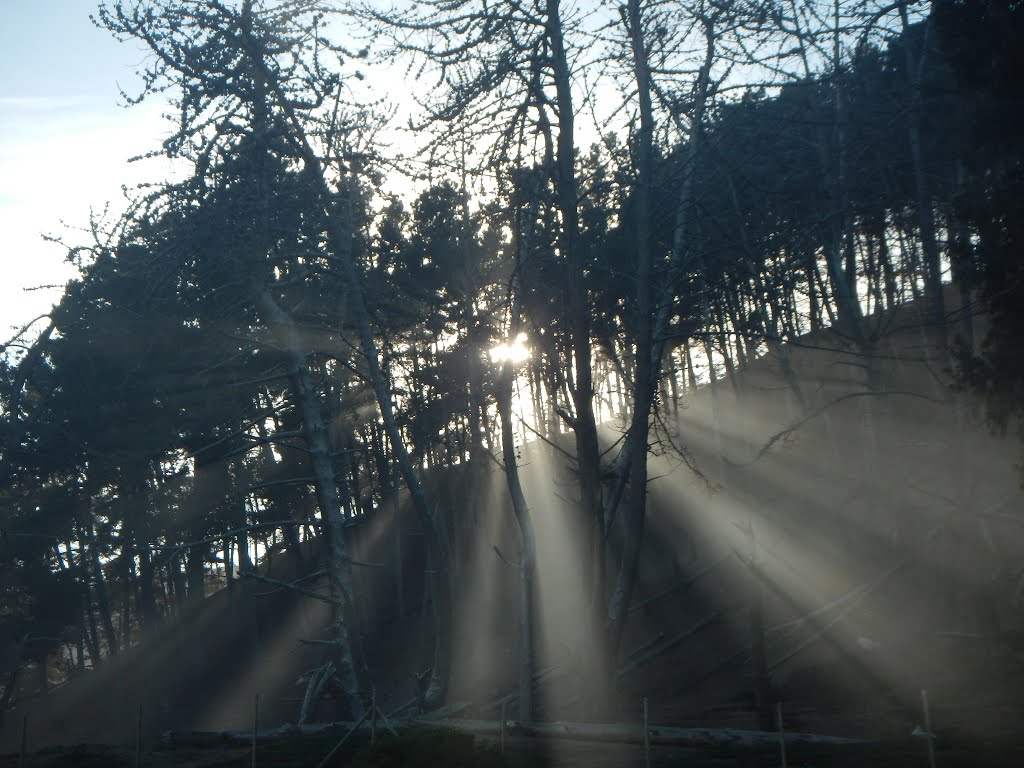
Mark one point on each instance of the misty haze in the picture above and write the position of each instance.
(498, 383)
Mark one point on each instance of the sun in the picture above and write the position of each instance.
(514, 352)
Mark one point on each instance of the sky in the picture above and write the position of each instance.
(66, 138)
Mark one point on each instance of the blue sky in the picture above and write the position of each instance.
(66, 137)
(65, 141)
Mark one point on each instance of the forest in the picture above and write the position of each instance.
(476, 337)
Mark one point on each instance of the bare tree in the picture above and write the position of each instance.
(506, 70)
(264, 72)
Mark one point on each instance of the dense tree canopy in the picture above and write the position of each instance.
(265, 351)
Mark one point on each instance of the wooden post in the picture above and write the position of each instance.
(647, 737)
(929, 736)
(373, 715)
(24, 740)
(138, 740)
(782, 732)
(255, 725)
(504, 705)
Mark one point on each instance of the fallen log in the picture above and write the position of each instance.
(445, 712)
(209, 739)
(621, 733)
(631, 733)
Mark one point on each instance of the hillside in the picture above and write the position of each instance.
(875, 539)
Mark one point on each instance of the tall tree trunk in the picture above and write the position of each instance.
(936, 313)
(588, 451)
(339, 563)
(653, 316)
(523, 230)
(147, 588)
(195, 572)
(647, 358)
(99, 585)
(340, 245)
(527, 563)
(88, 616)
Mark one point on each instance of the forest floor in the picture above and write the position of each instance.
(860, 619)
(520, 752)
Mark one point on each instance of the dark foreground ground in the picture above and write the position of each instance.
(455, 750)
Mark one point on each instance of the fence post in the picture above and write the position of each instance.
(138, 740)
(782, 732)
(373, 715)
(255, 725)
(502, 740)
(928, 728)
(647, 737)
(24, 740)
